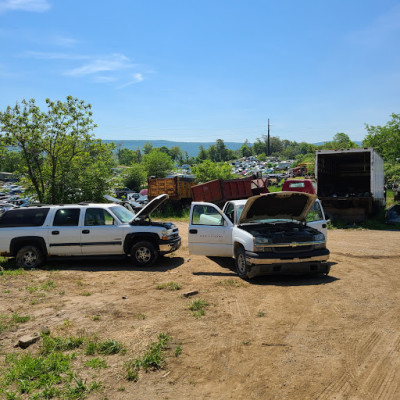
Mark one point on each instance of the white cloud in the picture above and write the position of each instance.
(135, 78)
(24, 5)
(113, 62)
(112, 68)
(54, 56)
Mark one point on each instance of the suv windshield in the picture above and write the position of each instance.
(122, 213)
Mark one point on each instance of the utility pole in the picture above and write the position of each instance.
(268, 143)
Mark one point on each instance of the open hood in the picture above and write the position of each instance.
(278, 205)
(150, 207)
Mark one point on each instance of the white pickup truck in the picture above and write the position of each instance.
(31, 234)
(265, 234)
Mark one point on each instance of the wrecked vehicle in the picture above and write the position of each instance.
(31, 234)
(266, 234)
(392, 215)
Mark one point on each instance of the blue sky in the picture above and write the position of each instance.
(199, 70)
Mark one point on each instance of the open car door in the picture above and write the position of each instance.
(210, 231)
(316, 218)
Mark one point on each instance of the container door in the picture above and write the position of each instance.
(210, 232)
(316, 218)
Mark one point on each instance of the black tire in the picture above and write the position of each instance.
(29, 257)
(240, 263)
(143, 254)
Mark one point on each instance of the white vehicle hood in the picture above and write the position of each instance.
(278, 205)
(150, 207)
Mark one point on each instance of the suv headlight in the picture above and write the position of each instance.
(166, 233)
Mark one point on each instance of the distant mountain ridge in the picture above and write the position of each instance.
(192, 148)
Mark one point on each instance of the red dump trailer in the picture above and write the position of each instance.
(219, 190)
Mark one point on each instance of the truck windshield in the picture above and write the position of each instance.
(122, 213)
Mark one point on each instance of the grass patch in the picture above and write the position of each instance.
(51, 345)
(141, 316)
(107, 347)
(9, 322)
(230, 283)
(96, 363)
(170, 286)
(49, 285)
(43, 376)
(198, 307)
(85, 294)
(20, 319)
(260, 314)
(152, 359)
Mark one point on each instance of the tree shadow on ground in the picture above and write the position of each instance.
(162, 264)
(281, 279)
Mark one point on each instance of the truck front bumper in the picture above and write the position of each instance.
(168, 246)
(267, 263)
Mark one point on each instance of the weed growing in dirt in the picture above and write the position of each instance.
(106, 347)
(8, 322)
(152, 359)
(178, 351)
(169, 286)
(96, 363)
(198, 307)
(11, 272)
(20, 319)
(260, 314)
(95, 317)
(46, 375)
(32, 289)
(51, 345)
(141, 316)
(230, 283)
(246, 342)
(49, 285)
(85, 294)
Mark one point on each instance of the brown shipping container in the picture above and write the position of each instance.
(219, 191)
(177, 188)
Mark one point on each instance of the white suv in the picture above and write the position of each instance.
(32, 234)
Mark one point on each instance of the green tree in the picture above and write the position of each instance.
(340, 141)
(11, 161)
(221, 150)
(176, 154)
(202, 154)
(157, 163)
(147, 147)
(135, 177)
(385, 139)
(245, 149)
(62, 162)
(208, 171)
(127, 156)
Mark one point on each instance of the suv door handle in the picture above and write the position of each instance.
(193, 231)
(55, 232)
(86, 231)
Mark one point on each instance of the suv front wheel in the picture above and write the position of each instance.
(241, 263)
(143, 254)
(29, 257)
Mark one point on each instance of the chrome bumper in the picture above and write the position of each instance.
(170, 246)
(267, 261)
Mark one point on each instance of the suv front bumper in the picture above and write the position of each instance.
(168, 246)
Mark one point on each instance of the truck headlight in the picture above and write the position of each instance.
(319, 237)
(166, 233)
(262, 240)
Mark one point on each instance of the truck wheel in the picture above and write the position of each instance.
(240, 262)
(29, 257)
(143, 254)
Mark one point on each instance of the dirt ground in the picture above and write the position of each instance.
(307, 337)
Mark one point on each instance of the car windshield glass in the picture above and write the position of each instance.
(122, 213)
